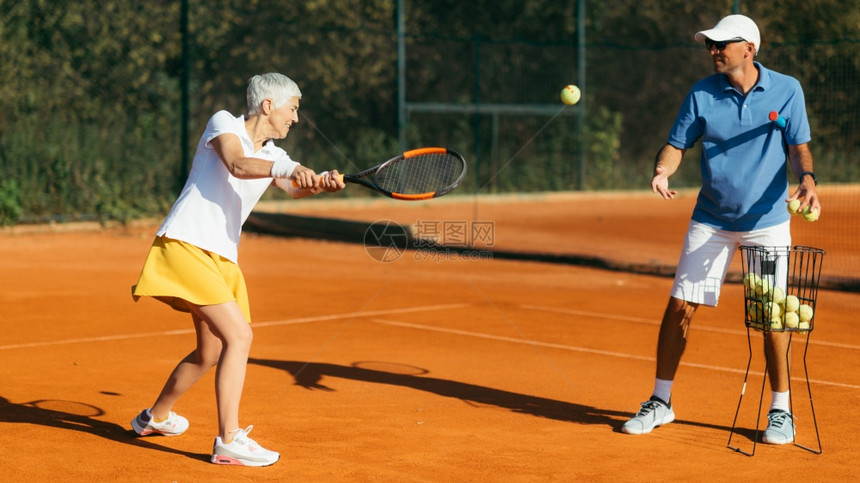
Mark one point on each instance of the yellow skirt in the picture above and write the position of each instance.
(176, 273)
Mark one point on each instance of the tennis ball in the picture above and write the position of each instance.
(792, 303)
(777, 295)
(570, 95)
(805, 312)
(803, 327)
(754, 310)
(763, 287)
(793, 206)
(750, 282)
(791, 320)
(776, 323)
(771, 310)
(809, 214)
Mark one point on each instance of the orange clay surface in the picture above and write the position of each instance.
(421, 369)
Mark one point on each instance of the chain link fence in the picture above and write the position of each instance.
(91, 104)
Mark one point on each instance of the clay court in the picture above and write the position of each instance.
(443, 368)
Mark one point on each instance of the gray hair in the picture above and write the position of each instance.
(277, 87)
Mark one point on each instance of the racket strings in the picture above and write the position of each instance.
(425, 173)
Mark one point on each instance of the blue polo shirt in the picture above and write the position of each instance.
(743, 162)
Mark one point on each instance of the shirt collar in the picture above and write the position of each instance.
(762, 84)
(246, 138)
(240, 123)
(763, 78)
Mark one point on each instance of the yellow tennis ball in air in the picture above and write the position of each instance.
(792, 303)
(805, 312)
(809, 214)
(791, 320)
(570, 95)
(792, 207)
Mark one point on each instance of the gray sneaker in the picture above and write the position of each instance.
(780, 427)
(654, 412)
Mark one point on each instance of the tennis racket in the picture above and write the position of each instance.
(418, 174)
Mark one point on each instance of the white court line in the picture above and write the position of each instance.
(585, 350)
(641, 320)
(369, 313)
(373, 313)
(302, 320)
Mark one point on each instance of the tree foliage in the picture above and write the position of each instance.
(90, 91)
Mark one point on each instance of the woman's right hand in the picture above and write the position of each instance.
(303, 177)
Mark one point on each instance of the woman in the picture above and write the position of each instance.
(192, 264)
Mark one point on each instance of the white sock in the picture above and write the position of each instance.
(663, 389)
(780, 400)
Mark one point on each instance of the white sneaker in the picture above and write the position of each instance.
(145, 425)
(654, 412)
(780, 427)
(242, 451)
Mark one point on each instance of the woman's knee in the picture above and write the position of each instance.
(228, 323)
(240, 338)
(208, 356)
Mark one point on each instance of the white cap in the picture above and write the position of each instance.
(732, 27)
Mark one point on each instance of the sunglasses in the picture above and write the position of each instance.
(720, 45)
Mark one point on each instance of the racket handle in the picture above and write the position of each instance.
(340, 176)
(775, 117)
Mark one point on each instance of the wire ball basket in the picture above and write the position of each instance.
(781, 287)
(780, 295)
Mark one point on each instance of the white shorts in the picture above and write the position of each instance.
(707, 254)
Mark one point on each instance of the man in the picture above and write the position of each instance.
(741, 202)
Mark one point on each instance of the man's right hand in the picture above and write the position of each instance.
(660, 183)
